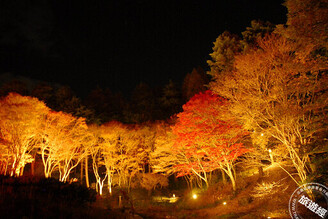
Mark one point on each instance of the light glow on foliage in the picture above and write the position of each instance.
(208, 138)
(20, 119)
(165, 199)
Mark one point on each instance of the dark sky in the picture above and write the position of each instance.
(118, 44)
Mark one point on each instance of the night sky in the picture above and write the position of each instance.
(118, 44)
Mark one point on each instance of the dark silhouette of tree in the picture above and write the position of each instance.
(170, 100)
(194, 83)
(45, 93)
(15, 86)
(107, 106)
(66, 101)
(142, 105)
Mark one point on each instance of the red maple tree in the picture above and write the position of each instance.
(208, 138)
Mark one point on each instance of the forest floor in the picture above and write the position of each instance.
(256, 197)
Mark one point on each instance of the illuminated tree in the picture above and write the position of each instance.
(225, 48)
(150, 181)
(266, 150)
(131, 155)
(64, 145)
(112, 153)
(278, 90)
(98, 160)
(51, 146)
(162, 160)
(165, 159)
(207, 137)
(125, 150)
(307, 21)
(145, 136)
(228, 45)
(256, 30)
(75, 151)
(4, 157)
(109, 137)
(20, 120)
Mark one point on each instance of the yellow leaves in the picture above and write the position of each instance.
(275, 88)
(260, 139)
(123, 149)
(65, 142)
(20, 125)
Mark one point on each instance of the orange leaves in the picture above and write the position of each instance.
(206, 134)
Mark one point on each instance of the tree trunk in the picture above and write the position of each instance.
(149, 192)
(224, 180)
(86, 172)
(230, 173)
(22, 170)
(234, 172)
(260, 171)
(233, 182)
(81, 173)
(33, 167)
(109, 181)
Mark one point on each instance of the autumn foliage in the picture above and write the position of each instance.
(207, 138)
(278, 89)
(204, 139)
(268, 102)
(65, 138)
(20, 127)
(29, 127)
